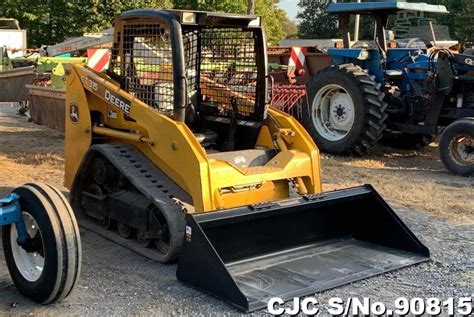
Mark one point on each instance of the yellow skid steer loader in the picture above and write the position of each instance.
(176, 151)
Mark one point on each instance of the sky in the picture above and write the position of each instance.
(290, 6)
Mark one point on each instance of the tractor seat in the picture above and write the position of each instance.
(464, 59)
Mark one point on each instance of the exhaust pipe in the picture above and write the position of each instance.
(295, 247)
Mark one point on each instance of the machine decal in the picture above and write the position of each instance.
(111, 114)
(189, 233)
(89, 83)
(112, 98)
(74, 113)
(117, 101)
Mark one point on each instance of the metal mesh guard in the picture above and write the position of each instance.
(220, 67)
(148, 65)
(227, 68)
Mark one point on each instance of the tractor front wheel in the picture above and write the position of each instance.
(346, 110)
(457, 147)
(47, 270)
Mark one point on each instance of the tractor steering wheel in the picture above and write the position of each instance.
(419, 39)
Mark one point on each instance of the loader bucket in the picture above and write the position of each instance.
(296, 247)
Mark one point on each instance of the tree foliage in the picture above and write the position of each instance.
(290, 28)
(272, 19)
(234, 6)
(53, 21)
(271, 14)
(460, 20)
(315, 22)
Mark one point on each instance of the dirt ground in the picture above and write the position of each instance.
(439, 207)
(413, 179)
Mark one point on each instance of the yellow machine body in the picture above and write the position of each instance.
(173, 148)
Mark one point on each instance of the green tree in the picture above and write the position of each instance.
(460, 20)
(271, 14)
(315, 22)
(234, 6)
(272, 19)
(290, 28)
(52, 21)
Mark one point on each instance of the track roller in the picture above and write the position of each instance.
(125, 231)
(143, 239)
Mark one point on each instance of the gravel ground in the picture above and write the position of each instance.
(116, 281)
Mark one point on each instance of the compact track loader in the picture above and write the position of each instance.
(177, 148)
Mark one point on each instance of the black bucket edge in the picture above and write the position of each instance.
(201, 267)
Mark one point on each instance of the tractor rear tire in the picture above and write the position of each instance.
(49, 273)
(406, 141)
(355, 119)
(457, 147)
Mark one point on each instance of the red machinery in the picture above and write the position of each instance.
(290, 69)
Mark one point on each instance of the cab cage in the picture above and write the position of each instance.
(173, 59)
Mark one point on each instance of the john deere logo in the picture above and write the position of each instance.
(74, 113)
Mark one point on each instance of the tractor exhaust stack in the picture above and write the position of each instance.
(296, 247)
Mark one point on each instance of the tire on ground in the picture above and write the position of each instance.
(462, 128)
(369, 108)
(61, 245)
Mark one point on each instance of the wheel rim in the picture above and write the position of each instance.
(29, 264)
(333, 112)
(461, 149)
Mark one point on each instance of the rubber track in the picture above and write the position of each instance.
(146, 178)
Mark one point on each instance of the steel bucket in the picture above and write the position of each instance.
(295, 247)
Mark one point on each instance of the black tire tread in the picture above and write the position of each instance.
(168, 206)
(67, 246)
(464, 125)
(374, 105)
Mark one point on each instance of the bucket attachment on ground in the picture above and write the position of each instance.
(296, 247)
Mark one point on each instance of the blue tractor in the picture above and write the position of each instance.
(403, 93)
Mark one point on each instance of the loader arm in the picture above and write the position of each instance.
(107, 114)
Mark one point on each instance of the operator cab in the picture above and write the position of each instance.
(205, 69)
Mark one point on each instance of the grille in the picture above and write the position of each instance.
(220, 66)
